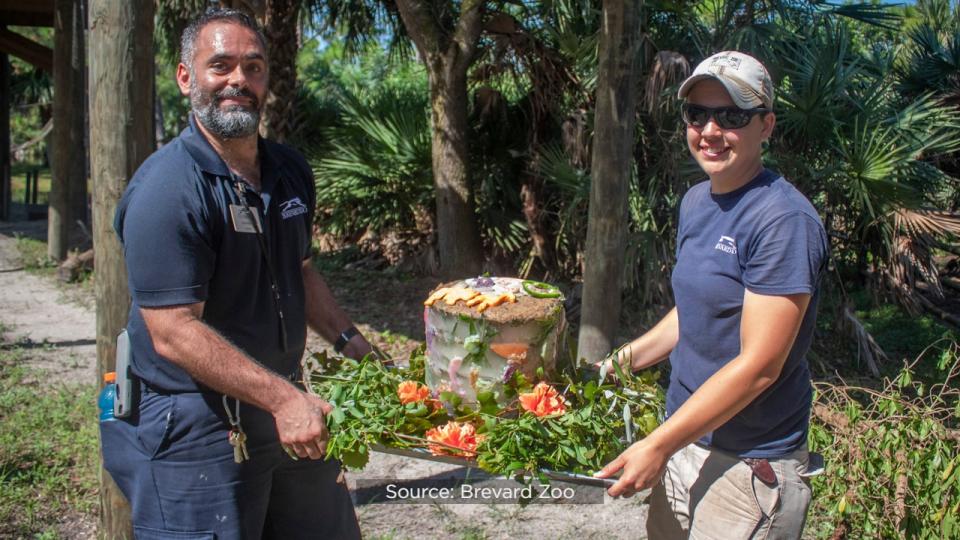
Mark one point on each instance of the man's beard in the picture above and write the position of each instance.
(234, 122)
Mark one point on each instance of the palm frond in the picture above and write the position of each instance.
(668, 70)
(881, 15)
(928, 127)
(917, 232)
(377, 173)
(872, 157)
(818, 76)
(927, 223)
(555, 168)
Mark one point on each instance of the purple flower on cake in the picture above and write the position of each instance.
(431, 335)
(484, 281)
(508, 372)
(452, 368)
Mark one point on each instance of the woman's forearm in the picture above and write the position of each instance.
(653, 346)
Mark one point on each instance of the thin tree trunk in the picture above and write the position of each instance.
(159, 135)
(121, 125)
(531, 196)
(457, 232)
(610, 173)
(5, 192)
(68, 188)
(447, 53)
(280, 29)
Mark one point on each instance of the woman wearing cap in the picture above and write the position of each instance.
(730, 459)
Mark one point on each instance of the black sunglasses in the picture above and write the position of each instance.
(726, 117)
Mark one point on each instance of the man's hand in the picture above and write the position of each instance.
(302, 426)
(643, 465)
(357, 348)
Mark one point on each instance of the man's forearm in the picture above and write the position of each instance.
(324, 315)
(212, 360)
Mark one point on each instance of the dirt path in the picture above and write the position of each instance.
(58, 330)
(36, 314)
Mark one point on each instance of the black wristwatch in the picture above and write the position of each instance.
(345, 338)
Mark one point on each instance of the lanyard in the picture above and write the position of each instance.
(241, 188)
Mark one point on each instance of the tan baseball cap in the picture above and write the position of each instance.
(744, 77)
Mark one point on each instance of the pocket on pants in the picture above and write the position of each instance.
(157, 417)
(768, 497)
(146, 533)
(199, 495)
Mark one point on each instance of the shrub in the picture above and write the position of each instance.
(893, 467)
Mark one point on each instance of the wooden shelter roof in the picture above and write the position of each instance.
(26, 13)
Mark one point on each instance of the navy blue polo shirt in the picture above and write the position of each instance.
(767, 238)
(181, 247)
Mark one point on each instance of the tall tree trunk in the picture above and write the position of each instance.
(5, 192)
(68, 188)
(121, 126)
(457, 232)
(280, 29)
(447, 54)
(615, 120)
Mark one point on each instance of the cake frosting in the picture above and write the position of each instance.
(479, 331)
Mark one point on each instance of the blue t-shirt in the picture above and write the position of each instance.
(765, 237)
(181, 246)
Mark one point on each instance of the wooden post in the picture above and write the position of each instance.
(68, 187)
(78, 200)
(5, 192)
(610, 173)
(121, 137)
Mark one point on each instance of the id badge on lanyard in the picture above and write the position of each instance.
(247, 220)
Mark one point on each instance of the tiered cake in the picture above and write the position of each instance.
(480, 330)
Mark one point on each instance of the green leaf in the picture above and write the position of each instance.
(356, 459)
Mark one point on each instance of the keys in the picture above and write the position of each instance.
(238, 440)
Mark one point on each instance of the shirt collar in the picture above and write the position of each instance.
(210, 161)
(201, 151)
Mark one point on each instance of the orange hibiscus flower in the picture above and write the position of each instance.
(455, 439)
(543, 401)
(412, 392)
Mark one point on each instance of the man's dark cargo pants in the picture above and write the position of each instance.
(174, 463)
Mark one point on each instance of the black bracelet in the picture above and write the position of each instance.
(345, 338)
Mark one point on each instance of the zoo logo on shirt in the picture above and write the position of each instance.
(293, 207)
(727, 244)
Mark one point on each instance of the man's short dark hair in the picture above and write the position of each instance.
(188, 41)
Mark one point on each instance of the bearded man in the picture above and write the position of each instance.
(216, 230)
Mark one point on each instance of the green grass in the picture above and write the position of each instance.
(48, 450)
(33, 254)
(18, 182)
(903, 337)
